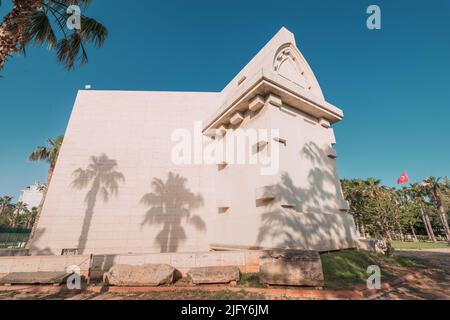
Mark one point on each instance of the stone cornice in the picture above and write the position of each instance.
(264, 83)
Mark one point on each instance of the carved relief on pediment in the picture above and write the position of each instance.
(289, 64)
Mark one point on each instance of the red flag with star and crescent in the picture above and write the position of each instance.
(403, 178)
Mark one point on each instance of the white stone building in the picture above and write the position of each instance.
(31, 196)
(118, 189)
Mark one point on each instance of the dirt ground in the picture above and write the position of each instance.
(434, 283)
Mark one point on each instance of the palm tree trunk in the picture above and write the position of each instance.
(402, 237)
(430, 227)
(11, 31)
(444, 221)
(41, 206)
(413, 233)
(426, 221)
(14, 219)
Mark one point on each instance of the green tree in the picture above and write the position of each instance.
(50, 155)
(20, 208)
(375, 207)
(31, 217)
(44, 22)
(354, 193)
(5, 201)
(7, 212)
(436, 189)
(409, 210)
(418, 193)
(381, 209)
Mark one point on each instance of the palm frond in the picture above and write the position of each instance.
(39, 29)
(93, 31)
(46, 25)
(69, 49)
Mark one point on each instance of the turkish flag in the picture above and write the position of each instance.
(403, 178)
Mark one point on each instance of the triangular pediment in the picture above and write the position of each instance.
(289, 70)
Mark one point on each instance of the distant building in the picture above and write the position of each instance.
(31, 196)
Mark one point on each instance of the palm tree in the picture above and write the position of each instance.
(19, 208)
(435, 189)
(379, 208)
(104, 179)
(171, 203)
(31, 218)
(418, 193)
(43, 22)
(409, 209)
(48, 154)
(5, 201)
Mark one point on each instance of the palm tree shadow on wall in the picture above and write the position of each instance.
(171, 204)
(282, 224)
(103, 178)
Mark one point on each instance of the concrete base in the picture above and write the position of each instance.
(94, 267)
(14, 252)
(44, 264)
(246, 261)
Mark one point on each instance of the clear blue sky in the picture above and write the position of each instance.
(393, 84)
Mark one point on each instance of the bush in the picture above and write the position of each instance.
(14, 230)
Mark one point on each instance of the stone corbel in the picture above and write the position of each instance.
(222, 205)
(274, 100)
(256, 104)
(331, 152)
(237, 118)
(265, 193)
(222, 165)
(221, 131)
(324, 123)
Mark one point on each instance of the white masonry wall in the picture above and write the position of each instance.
(307, 182)
(133, 129)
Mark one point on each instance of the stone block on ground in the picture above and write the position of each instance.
(149, 275)
(28, 278)
(214, 275)
(291, 268)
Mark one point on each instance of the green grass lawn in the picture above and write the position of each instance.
(345, 269)
(420, 245)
